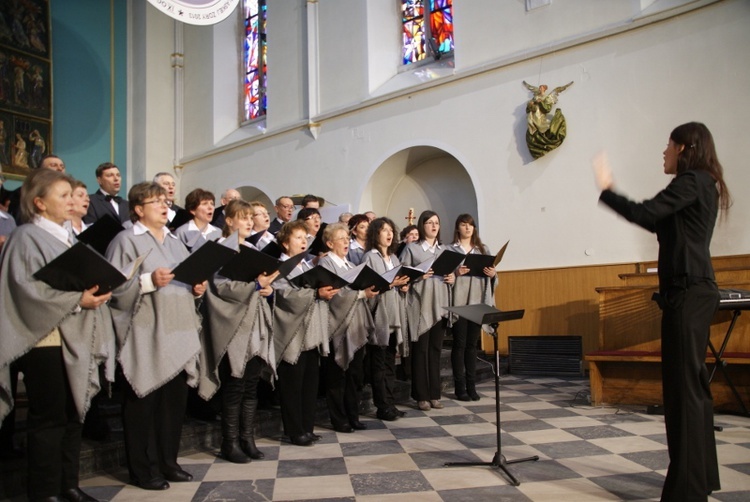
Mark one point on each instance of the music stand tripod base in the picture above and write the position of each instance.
(484, 314)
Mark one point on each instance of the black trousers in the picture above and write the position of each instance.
(382, 369)
(343, 388)
(688, 405)
(153, 427)
(464, 350)
(298, 392)
(245, 387)
(425, 364)
(53, 425)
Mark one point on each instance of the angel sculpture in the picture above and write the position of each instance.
(544, 135)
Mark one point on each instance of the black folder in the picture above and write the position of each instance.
(412, 273)
(101, 233)
(477, 263)
(447, 262)
(249, 263)
(81, 267)
(317, 246)
(203, 263)
(273, 249)
(318, 277)
(363, 277)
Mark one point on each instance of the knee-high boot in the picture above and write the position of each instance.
(247, 431)
(471, 390)
(230, 431)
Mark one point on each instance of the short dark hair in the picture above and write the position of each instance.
(406, 230)
(311, 198)
(306, 212)
(139, 193)
(194, 198)
(356, 220)
(103, 167)
(285, 232)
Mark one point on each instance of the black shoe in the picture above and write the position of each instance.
(474, 396)
(301, 440)
(357, 425)
(343, 428)
(389, 415)
(313, 436)
(178, 476)
(152, 484)
(232, 452)
(398, 412)
(77, 495)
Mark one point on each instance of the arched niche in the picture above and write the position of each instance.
(252, 194)
(421, 177)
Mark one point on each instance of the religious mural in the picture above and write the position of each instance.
(25, 85)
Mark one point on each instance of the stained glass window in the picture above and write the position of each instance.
(426, 39)
(254, 52)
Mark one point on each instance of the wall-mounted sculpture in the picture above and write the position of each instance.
(544, 134)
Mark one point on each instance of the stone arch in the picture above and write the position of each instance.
(421, 177)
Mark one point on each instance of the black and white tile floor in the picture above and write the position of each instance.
(585, 453)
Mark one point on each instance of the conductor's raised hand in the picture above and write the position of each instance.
(161, 277)
(602, 171)
(89, 300)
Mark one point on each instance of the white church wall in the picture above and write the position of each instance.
(630, 90)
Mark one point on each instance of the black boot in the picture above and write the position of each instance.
(230, 431)
(460, 387)
(247, 432)
(471, 390)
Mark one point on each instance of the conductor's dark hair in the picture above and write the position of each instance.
(373, 232)
(700, 154)
(426, 215)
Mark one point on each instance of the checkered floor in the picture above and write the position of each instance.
(584, 453)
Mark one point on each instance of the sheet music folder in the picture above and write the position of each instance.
(318, 277)
(101, 233)
(203, 263)
(81, 267)
(249, 263)
(484, 314)
(363, 277)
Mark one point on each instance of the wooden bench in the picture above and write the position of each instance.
(634, 377)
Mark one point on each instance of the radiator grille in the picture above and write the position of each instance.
(545, 355)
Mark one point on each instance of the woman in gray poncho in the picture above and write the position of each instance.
(237, 344)
(425, 310)
(468, 290)
(157, 335)
(388, 308)
(300, 334)
(57, 339)
(351, 325)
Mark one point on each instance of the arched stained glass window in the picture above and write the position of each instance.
(426, 39)
(254, 52)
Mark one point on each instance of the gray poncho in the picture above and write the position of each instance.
(158, 332)
(300, 320)
(472, 289)
(31, 310)
(350, 320)
(427, 298)
(239, 324)
(389, 308)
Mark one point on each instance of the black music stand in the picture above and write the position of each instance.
(484, 314)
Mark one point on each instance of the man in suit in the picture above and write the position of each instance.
(105, 201)
(284, 209)
(228, 196)
(167, 182)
